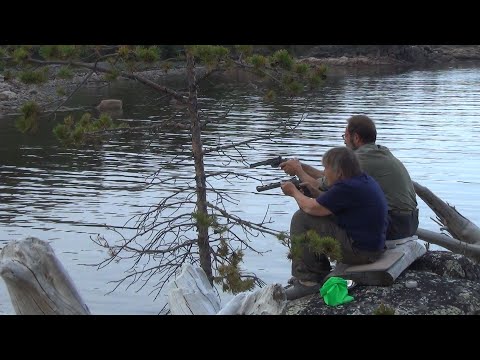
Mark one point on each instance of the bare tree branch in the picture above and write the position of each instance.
(72, 93)
(238, 220)
(98, 68)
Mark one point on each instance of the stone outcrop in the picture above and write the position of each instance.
(447, 284)
(14, 93)
(422, 55)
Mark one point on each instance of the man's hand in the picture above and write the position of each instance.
(291, 167)
(288, 188)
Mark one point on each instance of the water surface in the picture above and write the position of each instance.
(428, 118)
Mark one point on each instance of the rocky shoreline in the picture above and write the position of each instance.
(396, 55)
(340, 59)
(14, 93)
(447, 284)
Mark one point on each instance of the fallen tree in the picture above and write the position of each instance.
(464, 235)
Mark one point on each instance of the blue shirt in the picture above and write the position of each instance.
(360, 208)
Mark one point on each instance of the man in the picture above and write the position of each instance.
(378, 162)
(353, 211)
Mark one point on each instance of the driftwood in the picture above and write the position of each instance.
(455, 223)
(466, 235)
(472, 251)
(270, 300)
(192, 294)
(36, 280)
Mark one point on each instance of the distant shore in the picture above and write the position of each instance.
(408, 55)
(340, 60)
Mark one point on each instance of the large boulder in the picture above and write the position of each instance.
(446, 284)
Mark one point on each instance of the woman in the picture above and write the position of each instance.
(353, 211)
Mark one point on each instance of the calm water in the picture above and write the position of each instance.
(430, 119)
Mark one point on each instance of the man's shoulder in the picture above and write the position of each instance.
(371, 147)
(372, 151)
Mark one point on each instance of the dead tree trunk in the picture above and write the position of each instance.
(36, 280)
(203, 240)
(459, 247)
(466, 235)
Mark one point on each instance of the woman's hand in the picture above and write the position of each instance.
(288, 188)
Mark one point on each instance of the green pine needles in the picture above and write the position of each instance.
(229, 274)
(73, 132)
(227, 260)
(28, 121)
(316, 244)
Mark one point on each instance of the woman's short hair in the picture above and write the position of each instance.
(364, 127)
(344, 160)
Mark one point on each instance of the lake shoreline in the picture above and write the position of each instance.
(55, 92)
(68, 195)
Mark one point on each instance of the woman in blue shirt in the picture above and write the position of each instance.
(353, 211)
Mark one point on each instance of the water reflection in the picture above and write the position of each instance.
(428, 118)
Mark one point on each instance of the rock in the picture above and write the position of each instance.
(110, 105)
(7, 95)
(448, 264)
(447, 284)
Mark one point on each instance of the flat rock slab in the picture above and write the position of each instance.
(399, 255)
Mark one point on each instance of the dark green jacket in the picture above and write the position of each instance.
(378, 162)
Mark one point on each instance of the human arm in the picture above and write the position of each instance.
(314, 190)
(306, 173)
(311, 171)
(309, 205)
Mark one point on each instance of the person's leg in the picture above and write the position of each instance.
(311, 266)
(311, 270)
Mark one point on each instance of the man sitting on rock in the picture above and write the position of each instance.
(353, 211)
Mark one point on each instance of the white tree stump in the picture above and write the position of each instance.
(36, 280)
(192, 294)
(270, 300)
